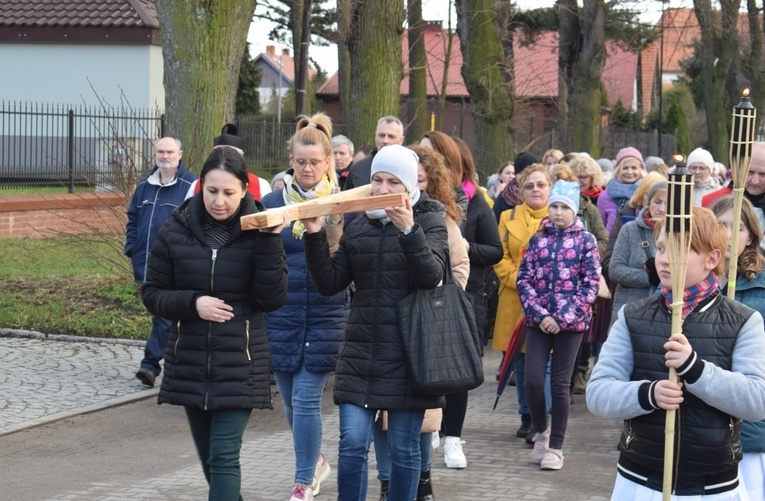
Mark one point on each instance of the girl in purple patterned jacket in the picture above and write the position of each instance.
(557, 284)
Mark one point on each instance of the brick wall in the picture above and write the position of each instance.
(44, 216)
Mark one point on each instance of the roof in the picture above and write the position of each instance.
(273, 59)
(78, 13)
(536, 67)
(681, 31)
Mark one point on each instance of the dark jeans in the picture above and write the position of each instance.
(218, 439)
(154, 351)
(454, 414)
(565, 346)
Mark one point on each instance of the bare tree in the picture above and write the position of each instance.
(418, 89)
(202, 47)
(488, 79)
(581, 58)
(719, 39)
(374, 43)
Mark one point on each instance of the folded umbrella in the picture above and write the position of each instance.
(513, 346)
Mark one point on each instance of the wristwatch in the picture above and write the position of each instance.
(407, 231)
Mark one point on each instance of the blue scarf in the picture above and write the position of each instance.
(619, 192)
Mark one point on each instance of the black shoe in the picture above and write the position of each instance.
(425, 488)
(146, 376)
(530, 438)
(383, 490)
(525, 429)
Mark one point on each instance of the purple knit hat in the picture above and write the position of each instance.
(628, 152)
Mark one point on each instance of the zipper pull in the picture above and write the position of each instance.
(214, 254)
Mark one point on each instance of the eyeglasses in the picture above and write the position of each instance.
(301, 162)
(540, 185)
(698, 168)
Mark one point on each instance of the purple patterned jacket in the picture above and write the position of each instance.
(559, 276)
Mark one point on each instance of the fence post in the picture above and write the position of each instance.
(70, 156)
(162, 126)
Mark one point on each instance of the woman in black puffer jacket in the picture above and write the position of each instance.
(387, 254)
(215, 281)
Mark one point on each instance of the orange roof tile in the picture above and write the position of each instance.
(79, 13)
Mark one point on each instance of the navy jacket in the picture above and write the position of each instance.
(308, 329)
(151, 205)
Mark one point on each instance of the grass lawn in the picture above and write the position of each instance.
(6, 191)
(56, 286)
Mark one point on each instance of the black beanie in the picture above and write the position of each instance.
(229, 137)
(524, 160)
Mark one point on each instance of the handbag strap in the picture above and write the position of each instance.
(448, 274)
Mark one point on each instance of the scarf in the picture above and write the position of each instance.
(695, 294)
(511, 193)
(710, 184)
(294, 194)
(619, 192)
(469, 188)
(532, 218)
(593, 192)
(648, 218)
(414, 197)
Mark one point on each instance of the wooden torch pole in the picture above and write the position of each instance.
(678, 239)
(741, 141)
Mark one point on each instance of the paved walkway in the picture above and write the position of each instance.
(141, 451)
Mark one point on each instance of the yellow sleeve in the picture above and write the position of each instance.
(507, 268)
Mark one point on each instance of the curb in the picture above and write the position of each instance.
(20, 333)
(99, 406)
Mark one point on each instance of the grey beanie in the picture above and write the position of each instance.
(656, 188)
(605, 165)
(651, 161)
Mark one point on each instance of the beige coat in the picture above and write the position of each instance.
(458, 253)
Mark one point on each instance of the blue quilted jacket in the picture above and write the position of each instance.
(308, 329)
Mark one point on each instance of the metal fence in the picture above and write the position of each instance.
(59, 145)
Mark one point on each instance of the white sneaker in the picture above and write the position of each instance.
(320, 474)
(453, 455)
(541, 441)
(301, 493)
(553, 460)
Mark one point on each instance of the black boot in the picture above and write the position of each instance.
(383, 490)
(425, 489)
(525, 428)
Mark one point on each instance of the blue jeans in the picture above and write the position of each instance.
(218, 438)
(519, 366)
(382, 452)
(301, 393)
(356, 430)
(154, 351)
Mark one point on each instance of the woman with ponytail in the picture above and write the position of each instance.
(304, 335)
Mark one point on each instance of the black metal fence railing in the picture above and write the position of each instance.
(58, 145)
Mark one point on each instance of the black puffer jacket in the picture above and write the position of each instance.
(372, 370)
(211, 365)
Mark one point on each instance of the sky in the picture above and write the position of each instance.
(326, 57)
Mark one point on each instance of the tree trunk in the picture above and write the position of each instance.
(568, 46)
(449, 41)
(344, 58)
(719, 38)
(418, 90)
(375, 49)
(301, 73)
(582, 57)
(202, 48)
(484, 73)
(754, 65)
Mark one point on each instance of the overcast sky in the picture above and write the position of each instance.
(435, 10)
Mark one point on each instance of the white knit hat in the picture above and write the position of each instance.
(701, 156)
(401, 162)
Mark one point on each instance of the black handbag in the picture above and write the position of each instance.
(441, 340)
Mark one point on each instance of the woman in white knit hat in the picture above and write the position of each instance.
(701, 165)
(387, 254)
